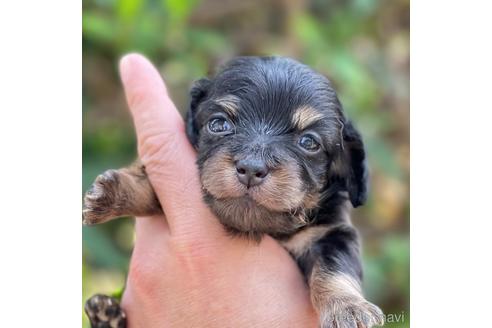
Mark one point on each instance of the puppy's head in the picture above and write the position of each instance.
(272, 142)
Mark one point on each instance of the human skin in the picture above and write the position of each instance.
(185, 270)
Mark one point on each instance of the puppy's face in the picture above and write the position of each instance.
(271, 142)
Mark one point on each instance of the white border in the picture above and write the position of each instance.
(40, 139)
(40, 185)
(451, 68)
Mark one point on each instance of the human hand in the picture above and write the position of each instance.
(185, 270)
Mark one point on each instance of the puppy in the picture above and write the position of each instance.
(276, 156)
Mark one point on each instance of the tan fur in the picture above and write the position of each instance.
(220, 180)
(123, 192)
(339, 167)
(104, 311)
(229, 104)
(219, 177)
(280, 182)
(305, 116)
(299, 243)
(346, 209)
(241, 215)
(338, 300)
(311, 200)
(331, 285)
(275, 206)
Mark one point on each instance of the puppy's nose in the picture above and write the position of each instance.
(251, 172)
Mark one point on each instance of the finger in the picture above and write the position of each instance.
(162, 143)
(150, 231)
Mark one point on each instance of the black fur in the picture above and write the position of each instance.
(358, 180)
(197, 92)
(262, 110)
(270, 89)
(267, 92)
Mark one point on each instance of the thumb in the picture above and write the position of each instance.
(162, 143)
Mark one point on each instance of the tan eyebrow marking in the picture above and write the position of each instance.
(305, 116)
(229, 103)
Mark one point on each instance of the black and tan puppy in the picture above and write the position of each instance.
(276, 156)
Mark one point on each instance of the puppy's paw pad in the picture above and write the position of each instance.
(105, 311)
(99, 201)
(351, 314)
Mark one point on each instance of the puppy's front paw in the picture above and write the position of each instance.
(100, 200)
(350, 313)
(105, 312)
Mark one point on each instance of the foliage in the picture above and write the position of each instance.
(361, 45)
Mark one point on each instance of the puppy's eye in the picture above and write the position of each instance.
(309, 143)
(219, 125)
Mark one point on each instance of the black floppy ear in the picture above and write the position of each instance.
(198, 92)
(358, 175)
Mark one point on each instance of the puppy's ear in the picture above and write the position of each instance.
(358, 176)
(198, 93)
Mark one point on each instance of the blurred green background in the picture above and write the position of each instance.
(361, 45)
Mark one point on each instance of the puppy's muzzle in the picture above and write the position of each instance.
(251, 172)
